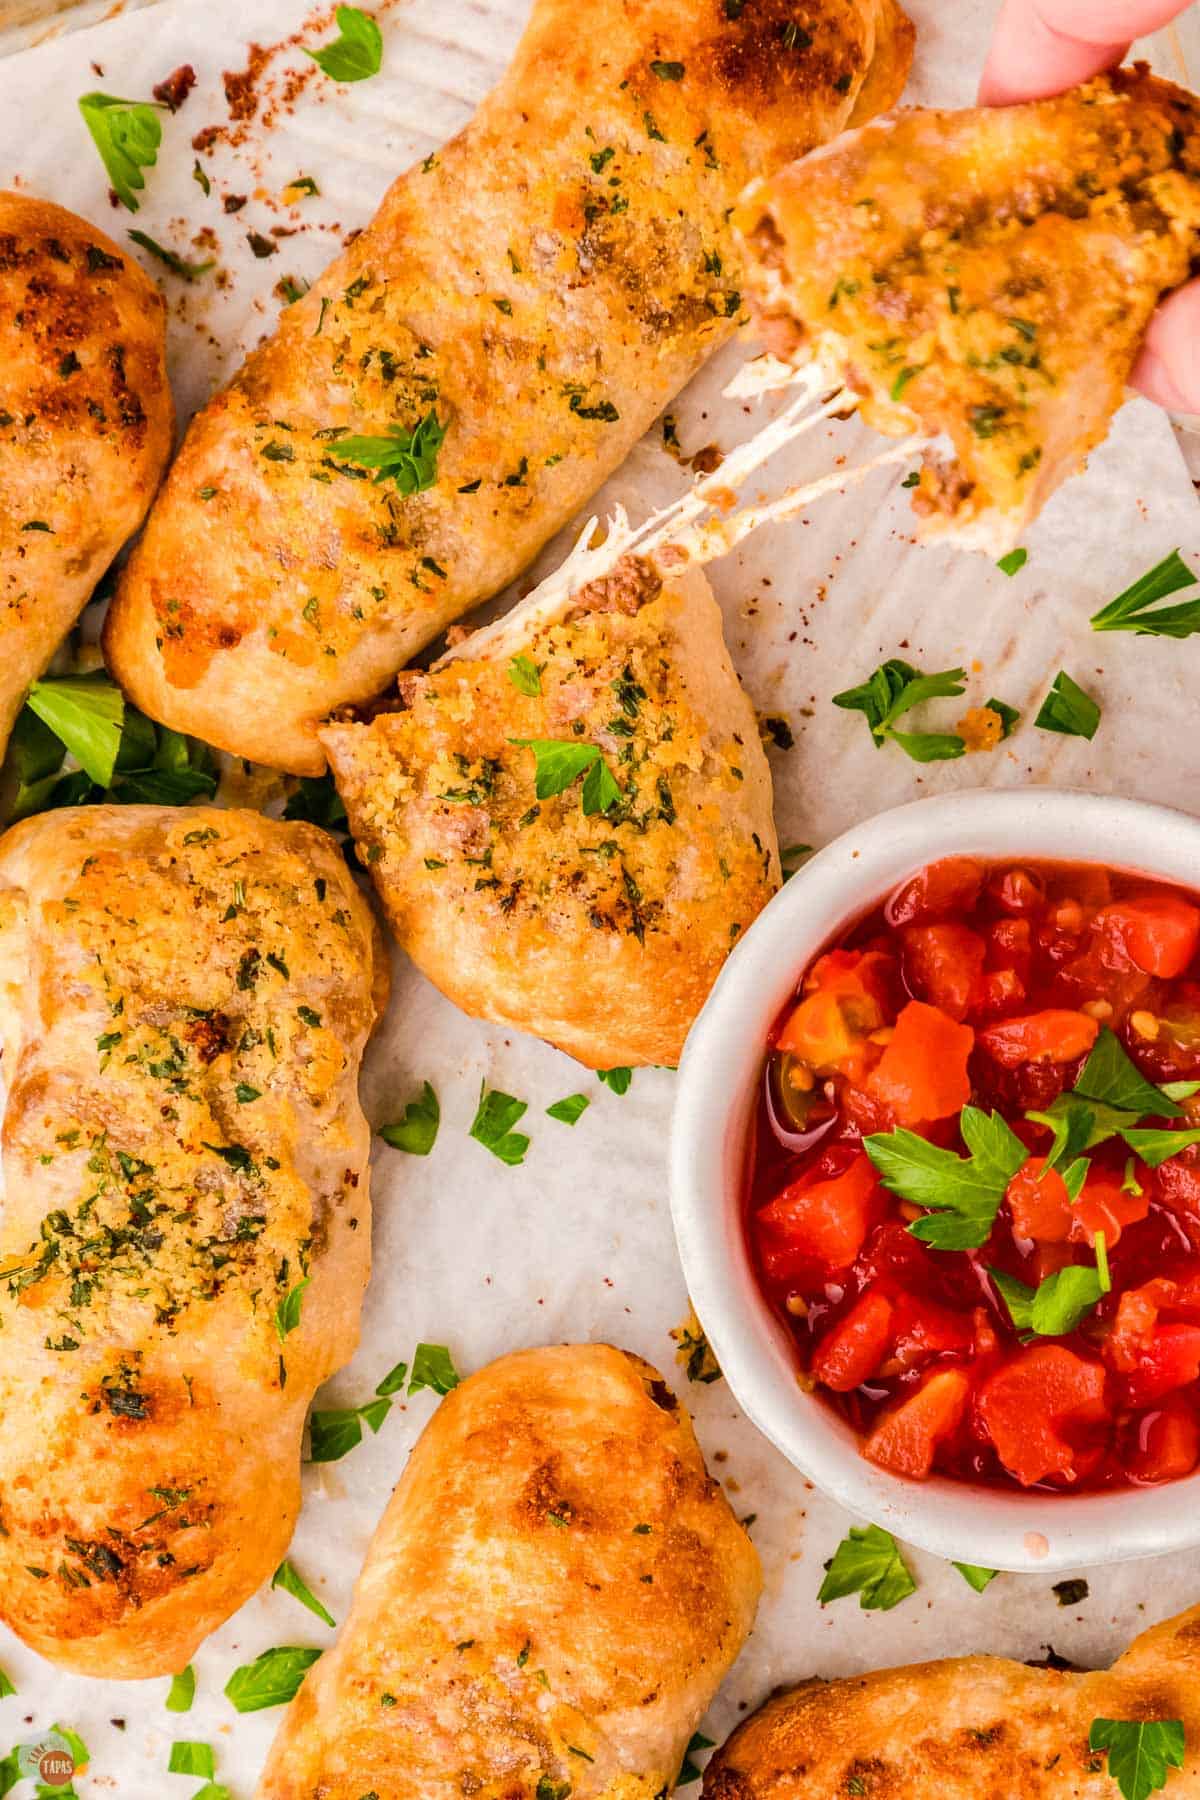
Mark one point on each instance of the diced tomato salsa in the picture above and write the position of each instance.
(1060, 1005)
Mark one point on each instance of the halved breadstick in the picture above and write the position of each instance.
(985, 278)
(549, 1604)
(85, 425)
(185, 994)
(570, 830)
(537, 291)
(965, 1728)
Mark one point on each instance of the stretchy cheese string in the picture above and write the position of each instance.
(679, 534)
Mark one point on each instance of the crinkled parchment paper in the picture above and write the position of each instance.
(577, 1242)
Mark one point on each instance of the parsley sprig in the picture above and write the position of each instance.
(559, 762)
(1061, 1302)
(127, 133)
(1141, 1752)
(357, 52)
(1110, 1099)
(962, 1193)
(1134, 610)
(868, 1563)
(409, 458)
(894, 689)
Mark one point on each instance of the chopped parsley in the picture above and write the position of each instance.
(559, 763)
(186, 270)
(409, 458)
(975, 1576)
(288, 1577)
(894, 689)
(416, 1132)
(182, 1691)
(1068, 710)
(272, 1679)
(1013, 562)
(357, 52)
(1141, 1752)
(962, 1195)
(868, 1563)
(525, 676)
(1136, 610)
(127, 133)
(1060, 1303)
(570, 1110)
(495, 1117)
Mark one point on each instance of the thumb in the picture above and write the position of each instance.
(1168, 368)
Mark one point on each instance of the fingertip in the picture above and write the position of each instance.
(1168, 368)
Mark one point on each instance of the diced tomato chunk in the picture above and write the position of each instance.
(844, 1002)
(906, 1439)
(922, 1074)
(853, 1350)
(1039, 1203)
(1028, 1402)
(1168, 1445)
(942, 964)
(1104, 1206)
(1171, 1360)
(921, 1328)
(817, 1226)
(1158, 933)
(945, 887)
(1132, 1330)
(1017, 891)
(1055, 1036)
(1177, 1186)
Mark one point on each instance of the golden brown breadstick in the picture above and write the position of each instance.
(538, 290)
(185, 994)
(85, 425)
(985, 278)
(965, 1728)
(548, 1605)
(596, 916)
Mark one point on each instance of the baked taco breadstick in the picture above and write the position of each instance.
(984, 278)
(85, 425)
(185, 994)
(548, 1606)
(977, 1725)
(481, 357)
(570, 828)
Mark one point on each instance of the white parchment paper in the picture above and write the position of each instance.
(577, 1242)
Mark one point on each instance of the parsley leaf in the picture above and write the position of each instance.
(495, 1116)
(417, 1131)
(191, 1758)
(288, 1577)
(1130, 611)
(1013, 562)
(1068, 710)
(272, 1679)
(6, 1686)
(1155, 1147)
(182, 1691)
(524, 675)
(1109, 1076)
(616, 1079)
(570, 1110)
(357, 53)
(895, 688)
(558, 762)
(87, 714)
(287, 1311)
(433, 1367)
(409, 458)
(964, 1193)
(188, 271)
(334, 1432)
(791, 857)
(1058, 1304)
(975, 1576)
(1008, 716)
(688, 1771)
(1140, 1752)
(868, 1563)
(667, 71)
(127, 133)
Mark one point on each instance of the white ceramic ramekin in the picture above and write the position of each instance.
(718, 1086)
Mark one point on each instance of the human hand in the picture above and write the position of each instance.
(1041, 47)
